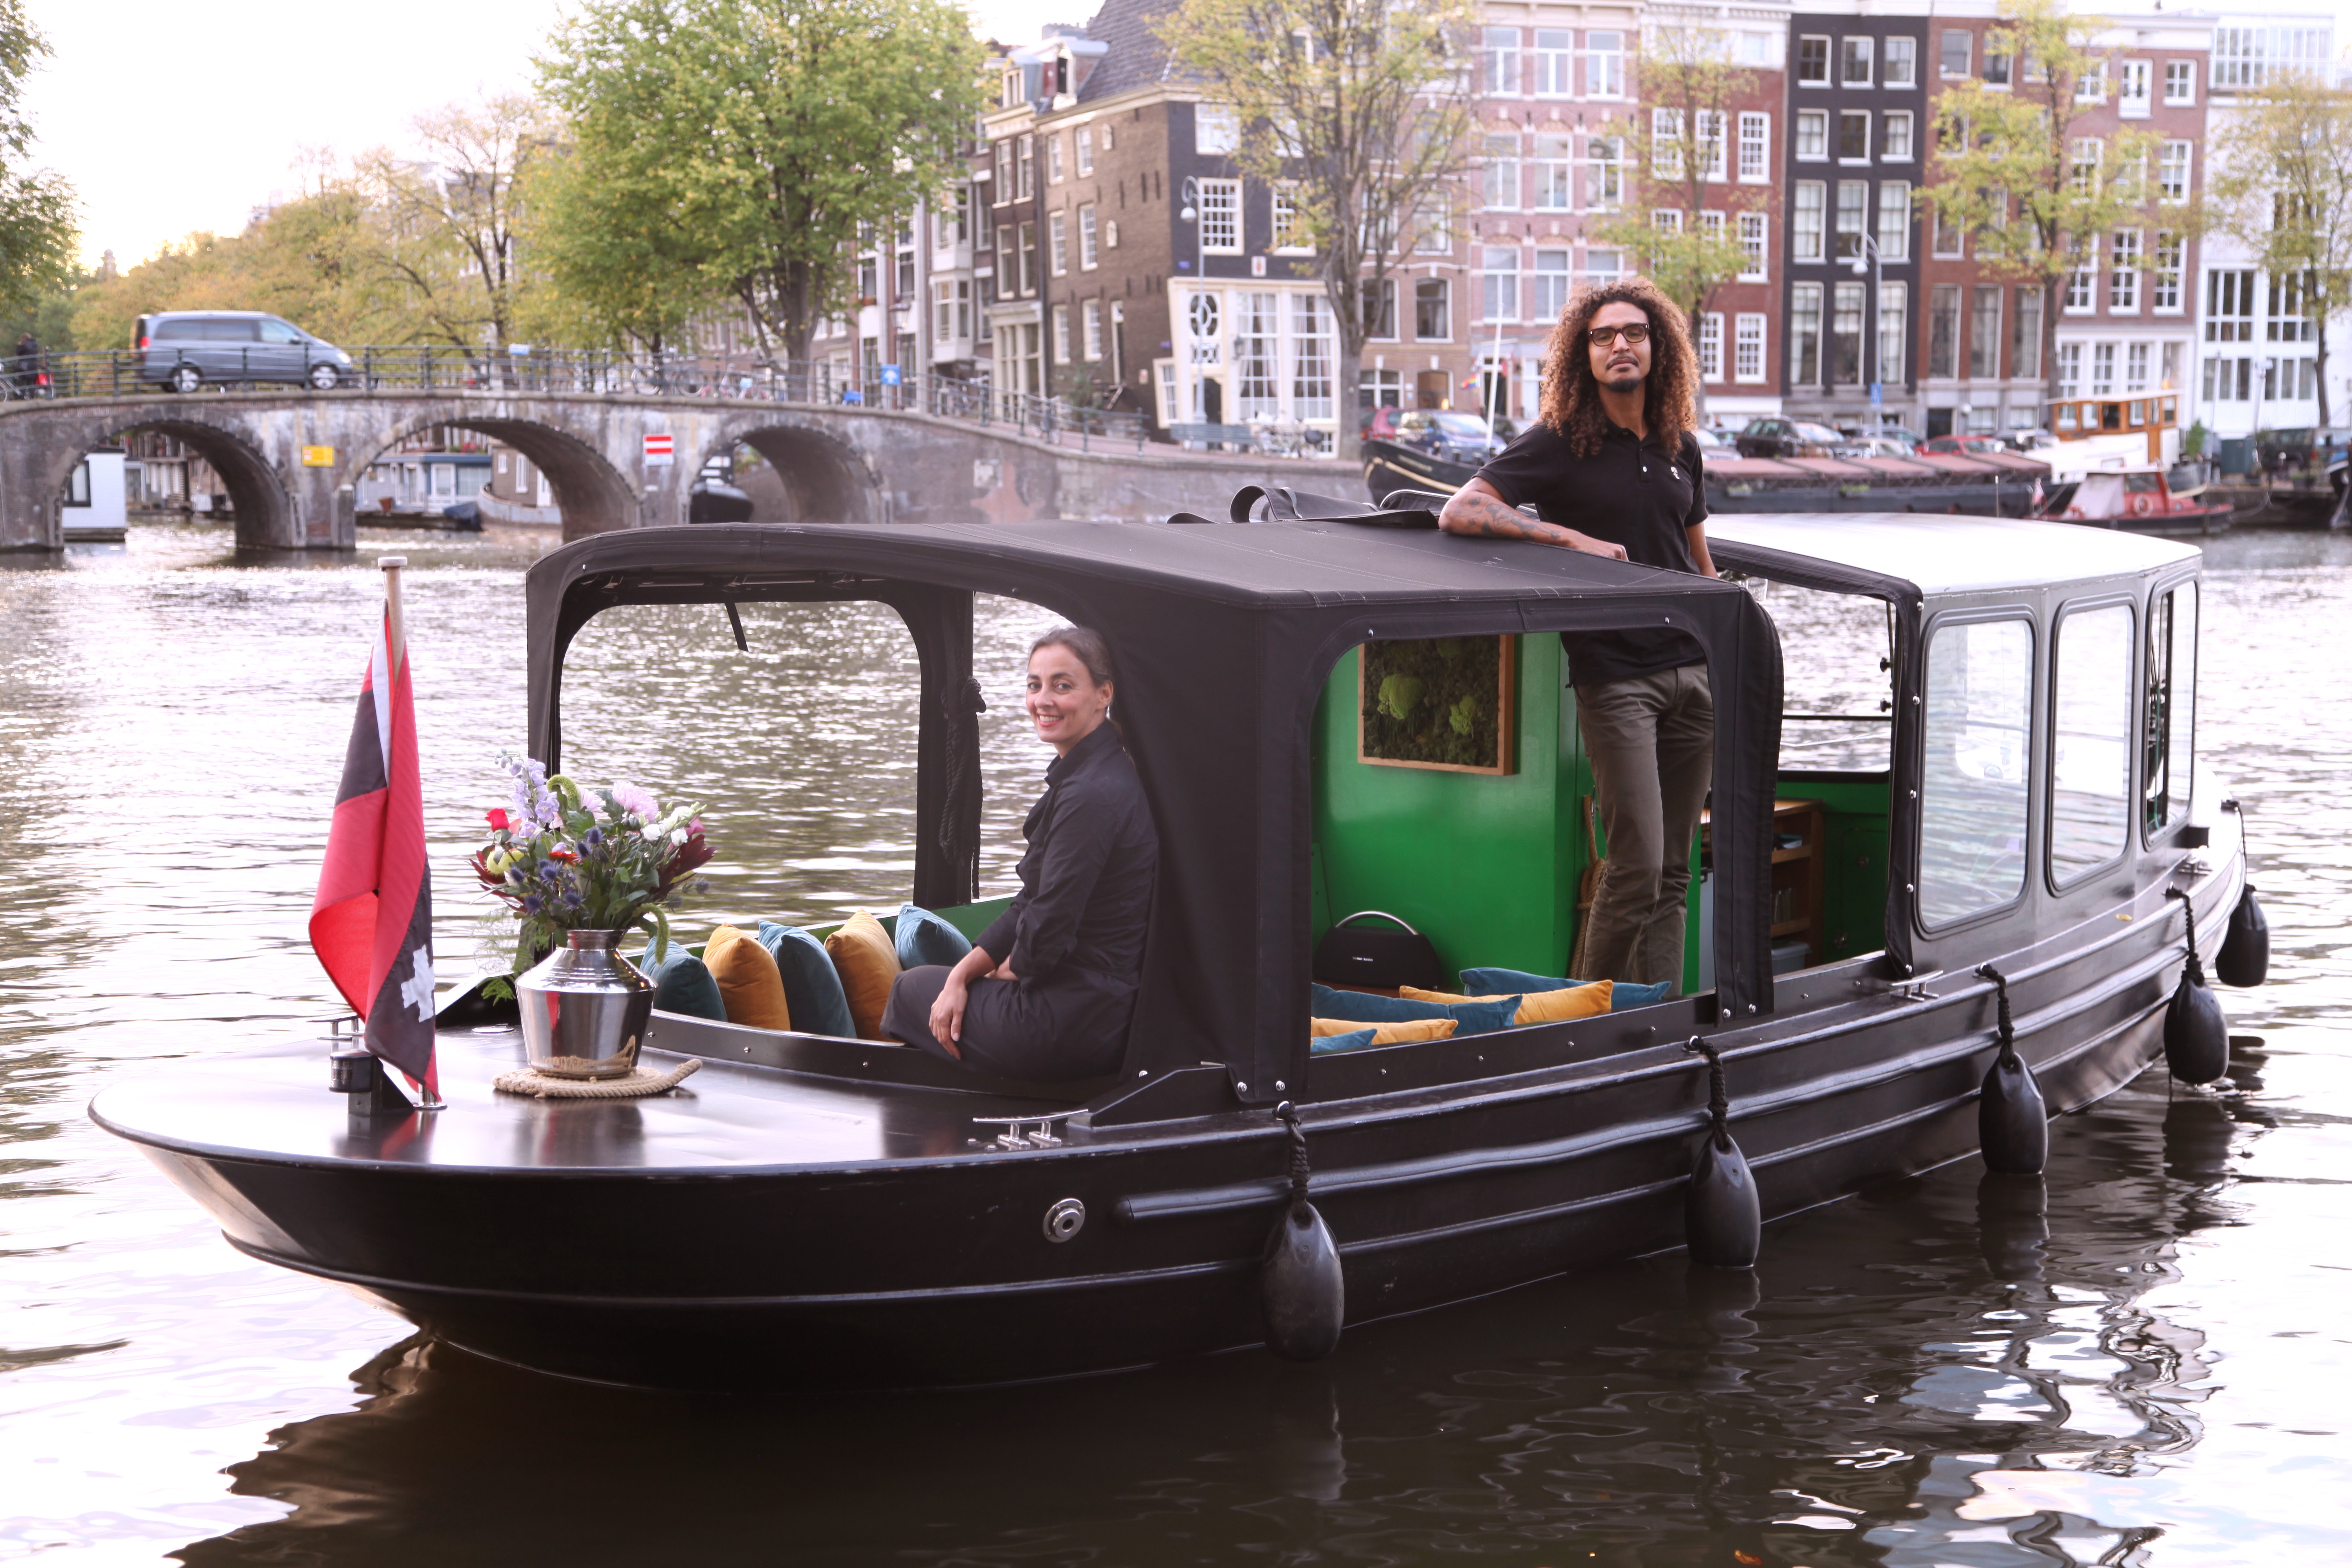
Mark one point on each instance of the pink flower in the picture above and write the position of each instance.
(635, 802)
(498, 819)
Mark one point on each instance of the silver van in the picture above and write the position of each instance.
(187, 349)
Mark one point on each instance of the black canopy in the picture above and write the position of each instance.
(1225, 634)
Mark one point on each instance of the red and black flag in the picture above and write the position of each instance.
(371, 923)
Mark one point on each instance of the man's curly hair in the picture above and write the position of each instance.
(1572, 397)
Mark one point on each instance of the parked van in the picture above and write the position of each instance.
(187, 349)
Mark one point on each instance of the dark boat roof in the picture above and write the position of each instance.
(1226, 636)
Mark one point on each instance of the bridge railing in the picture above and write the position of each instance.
(412, 368)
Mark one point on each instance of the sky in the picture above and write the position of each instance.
(170, 116)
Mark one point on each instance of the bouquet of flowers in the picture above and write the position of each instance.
(566, 859)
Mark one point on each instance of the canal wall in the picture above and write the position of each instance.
(291, 459)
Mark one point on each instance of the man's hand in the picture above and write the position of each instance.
(1478, 510)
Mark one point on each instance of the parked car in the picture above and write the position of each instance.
(1714, 443)
(1963, 445)
(184, 349)
(1772, 436)
(1877, 444)
(1445, 434)
(2033, 440)
(1908, 439)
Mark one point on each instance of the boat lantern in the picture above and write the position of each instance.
(1305, 1297)
(1723, 1218)
(2012, 1122)
(2196, 1036)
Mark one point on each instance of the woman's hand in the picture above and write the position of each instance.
(1003, 971)
(947, 1014)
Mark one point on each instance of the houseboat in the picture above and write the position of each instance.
(1995, 771)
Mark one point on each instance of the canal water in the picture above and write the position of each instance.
(2148, 1367)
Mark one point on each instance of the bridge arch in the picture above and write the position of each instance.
(593, 496)
(265, 512)
(824, 480)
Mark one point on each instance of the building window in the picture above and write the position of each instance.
(1057, 241)
(1498, 284)
(1984, 332)
(1755, 229)
(2136, 367)
(1756, 147)
(1805, 221)
(1852, 217)
(1944, 331)
(1090, 338)
(2238, 57)
(1812, 133)
(1606, 154)
(1604, 64)
(1432, 233)
(1853, 135)
(1499, 59)
(943, 311)
(1555, 172)
(1061, 334)
(1948, 236)
(1894, 313)
(1028, 258)
(1432, 313)
(1086, 150)
(1547, 288)
(1551, 69)
(2165, 294)
(1311, 394)
(2180, 81)
(2290, 310)
(1805, 334)
(2103, 370)
(2091, 87)
(1747, 347)
(1845, 334)
(1813, 61)
(1054, 160)
(2070, 370)
(2229, 379)
(1897, 146)
(1603, 267)
(1895, 220)
(2082, 284)
(1286, 237)
(1257, 376)
(2025, 335)
(1713, 144)
(2132, 90)
(2229, 306)
(2173, 173)
(1902, 62)
(1221, 217)
(1088, 239)
(2088, 154)
(1854, 62)
(1996, 67)
(1025, 184)
(1666, 144)
(2122, 270)
(1667, 220)
(1216, 128)
(1710, 346)
(1502, 190)
(1957, 45)
(1380, 308)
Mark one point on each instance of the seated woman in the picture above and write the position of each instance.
(1046, 994)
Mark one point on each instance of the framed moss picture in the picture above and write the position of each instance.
(1439, 702)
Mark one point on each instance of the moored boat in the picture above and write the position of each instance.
(821, 1210)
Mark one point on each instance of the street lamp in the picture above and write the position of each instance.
(1866, 259)
(1190, 194)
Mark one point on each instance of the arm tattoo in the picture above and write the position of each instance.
(1472, 513)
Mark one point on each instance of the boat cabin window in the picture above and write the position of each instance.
(2090, 741)
(1972, 784)
(2171, 714)
(1836, 654)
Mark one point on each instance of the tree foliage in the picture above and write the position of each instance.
(1679, 152)
(2011, 170)
(1362, 112)
(38, 232)
(445, 222)
(736, 146)
(2279, 182)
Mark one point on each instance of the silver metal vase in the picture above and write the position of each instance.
(584, 1009)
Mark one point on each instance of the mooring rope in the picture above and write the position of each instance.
(1287, 1114)
(1718, 1098)
(2003, 1021)
(2188, 919)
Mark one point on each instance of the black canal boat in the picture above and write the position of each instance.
(2006, 781)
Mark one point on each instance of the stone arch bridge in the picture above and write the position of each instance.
(837, 464)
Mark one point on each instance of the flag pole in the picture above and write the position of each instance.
(395, 649)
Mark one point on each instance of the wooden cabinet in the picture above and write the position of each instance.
(1798, 863)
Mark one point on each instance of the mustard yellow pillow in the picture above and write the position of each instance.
(1407, 1032)
(867, 960)
(1537, 1006)
(751, 986)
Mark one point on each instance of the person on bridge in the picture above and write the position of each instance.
(26, 373)
(1047, 992)
(1611, 469)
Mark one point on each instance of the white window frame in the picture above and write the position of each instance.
(1086, 138)
(1604, 64)
(1216, 129)
(1222, 199)
(1859, 46)
(1089, 239)
(2103, 370)
(1058, 243)
(2091, 87)
(2123, 259)
(1801, 297)
(1748, 348)
(1555, 176)
(2135, 90)
(1710, 128)
(2180, 84)
(1889, 143)
(1893, 230)
(1498, 62)
(1555, 67)
(1061, 334)
(2082, 291)
(1499, 188)
(2168, 280)
(1796, 59)
(1755, 239)
(1890, 351)
(1968, 66)
(1710, 346)
(1499, 289)
(1886, 67)
(1809, 222)
(1285, 204)
(2070, 370)
(1808, 122)
(1090, 331)
(1754, 148)
(1865, 117)
(1666, 142)
(2176, 157)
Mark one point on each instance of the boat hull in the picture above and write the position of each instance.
(680, 1242)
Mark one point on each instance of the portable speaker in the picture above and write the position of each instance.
(1359, 955)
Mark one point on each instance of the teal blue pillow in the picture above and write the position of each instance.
(812, 992)
(924, 938)
(1354, 1040)
(1363, 1007)
(1623, 996)
(682, 984)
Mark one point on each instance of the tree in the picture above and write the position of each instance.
(763, 133)
(2280, 182)
(2010, 170)
(39, 235)
(618, 270)
(1682, 217)
(447, 220)
(1360, 114)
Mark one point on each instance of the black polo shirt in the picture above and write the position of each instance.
(1630, 493)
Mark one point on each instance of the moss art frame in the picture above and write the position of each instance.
(1447, 703)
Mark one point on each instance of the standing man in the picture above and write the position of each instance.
(1611, 469)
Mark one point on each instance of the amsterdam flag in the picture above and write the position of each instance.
(371, 922)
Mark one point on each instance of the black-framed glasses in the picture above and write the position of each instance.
(1601, 337)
